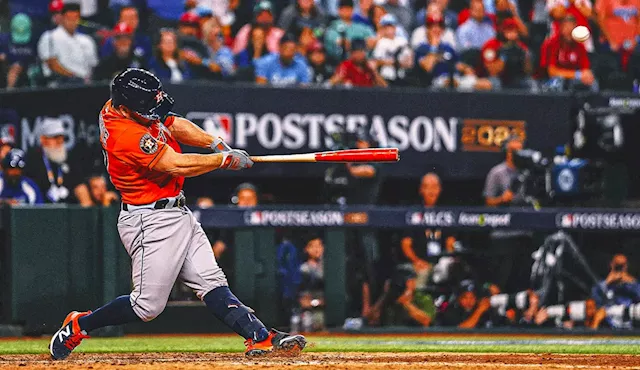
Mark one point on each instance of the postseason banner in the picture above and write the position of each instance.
(456, 134)
(403, 218)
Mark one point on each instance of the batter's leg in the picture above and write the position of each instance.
(202, 274)
(157, 242)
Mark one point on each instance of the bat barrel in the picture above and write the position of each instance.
(360, 155)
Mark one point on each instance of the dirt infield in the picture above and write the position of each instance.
(312, 361)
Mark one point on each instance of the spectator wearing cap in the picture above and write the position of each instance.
(451, 18)
(477, 30)
(166, 63)
(341, 32)
(392, 53)
(21, 52)
(284, 68)
(403, 14)
(507, 9)
(619, 22)
(357, 71)
(565, 61)
(69, 55)
(507, 60)
(305, 10)
(15, 188)
(141, 47)
(44, 43)
(56, 171)
(191, 49)
(263, 18)
(123, 56)
(321, 71)
(436, 62)
(220, 58)
(245, 195)
(419, 35)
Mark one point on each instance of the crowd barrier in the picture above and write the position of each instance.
(65, 258)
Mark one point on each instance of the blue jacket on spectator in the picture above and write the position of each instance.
(165, 9)
(277, 74)
(621, 294)
(25, 191)
(442, 67)
(141, 47)
(163, 72)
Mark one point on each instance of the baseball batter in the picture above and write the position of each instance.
(140, 139)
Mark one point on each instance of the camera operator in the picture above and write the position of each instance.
(506, 59)
(507, 247)
(619, 288)
(468, 312)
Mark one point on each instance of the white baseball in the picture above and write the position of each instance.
(580, 34)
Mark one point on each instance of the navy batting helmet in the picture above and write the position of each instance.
(141, 92)
(14, 159)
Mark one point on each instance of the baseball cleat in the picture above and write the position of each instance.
(68, 336)
(276, 342)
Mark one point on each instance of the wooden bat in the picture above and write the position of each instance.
(338, 156)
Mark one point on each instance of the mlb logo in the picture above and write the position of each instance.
(215, 124)
(255, 218)
(566, 221)
(416, 218)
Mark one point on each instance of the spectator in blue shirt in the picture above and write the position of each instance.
(619, 288)
(20, 52)
(477, 30)
(141, 42)
(284, 68)
(437, 63)
(14, 187)
(220, 60)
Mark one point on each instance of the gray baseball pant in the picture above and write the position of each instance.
(165, 244)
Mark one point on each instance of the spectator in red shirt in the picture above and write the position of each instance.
(580, 9)
(357, 70)
(506, 59)
(565, 60)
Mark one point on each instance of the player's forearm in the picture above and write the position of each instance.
(12, 75)
(472, 321)
(188, 165)
(417, 314)
(57, 68)
(188, 133)
(568, 74)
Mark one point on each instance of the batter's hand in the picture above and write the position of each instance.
(219, 146)
(236, 160)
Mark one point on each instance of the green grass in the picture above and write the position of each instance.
(333, 344)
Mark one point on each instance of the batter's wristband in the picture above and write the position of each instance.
(218, 146)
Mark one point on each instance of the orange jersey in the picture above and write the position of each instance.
(131, 150)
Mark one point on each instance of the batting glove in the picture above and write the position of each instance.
(219, 146)
(236, 160)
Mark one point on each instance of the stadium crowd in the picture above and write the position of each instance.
(466, 44)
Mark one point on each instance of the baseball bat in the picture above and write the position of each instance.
(338, 156)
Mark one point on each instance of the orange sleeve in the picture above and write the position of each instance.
(137, 147)
(169, 121)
